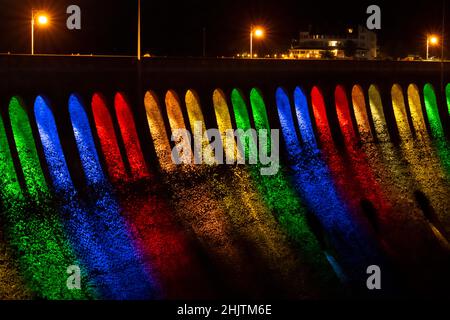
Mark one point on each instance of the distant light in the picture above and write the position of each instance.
(434, 40)
(259, 32)
(42, 20)
(332, 43)
(350, 30)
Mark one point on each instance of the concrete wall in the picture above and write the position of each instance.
(58, 77)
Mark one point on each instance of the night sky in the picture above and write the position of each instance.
(173, 28)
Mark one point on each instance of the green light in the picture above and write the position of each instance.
(242, 119)
(431, 108)
(26, 149)
(281, 198)
(34, 227)
(437, 130)
(11, 285)
(447, 93)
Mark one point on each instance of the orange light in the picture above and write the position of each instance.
(42, 19)
(258, 32)
(433, 40)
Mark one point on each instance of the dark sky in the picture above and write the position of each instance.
(175, 28)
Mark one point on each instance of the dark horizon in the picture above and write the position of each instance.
(176, 29)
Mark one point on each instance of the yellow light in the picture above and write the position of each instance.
(258, 32)
(42, 19)
(433, 40)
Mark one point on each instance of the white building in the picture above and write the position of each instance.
(316, 46)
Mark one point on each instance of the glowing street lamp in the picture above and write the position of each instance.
(39, 18)
(256, 32)
(432, 40)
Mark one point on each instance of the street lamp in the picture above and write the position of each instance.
(139, 32)
(256, 32)
(40, 18)
(432, 40)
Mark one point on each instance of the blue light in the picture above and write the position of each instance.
(312, 180)
(54, 155)
(126, 270)
(85, 143)
(304, 120)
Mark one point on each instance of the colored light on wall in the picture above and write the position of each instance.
(447, 94)
(312, 179)
(360, 110)
(344, 116)
(243, 121)
(303, 117)
(437, 130)
(174, 112)
(26, 148)
(126, 236)
(349, 181)
(12, 286)
(56, 161)
(299, 157)
(398, 102)
(195, 116)
(376, 107)
(260, 115)
(432, 110)
(280, 196)
(415, 106)
(85, 142)
(320, 116)
(158, 131)
(108, 139)
(130, 138)
(224, 124)
(211, 216)
(132, 281)
(46, 253)
(176, 121)
(10, 187)
(163, 248)
(358, 162)
(291, 138)
(80, 226)
(428, 178)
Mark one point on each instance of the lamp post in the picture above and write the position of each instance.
(40, 18)
(256, 32)
(431, 40)
(139, 31)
